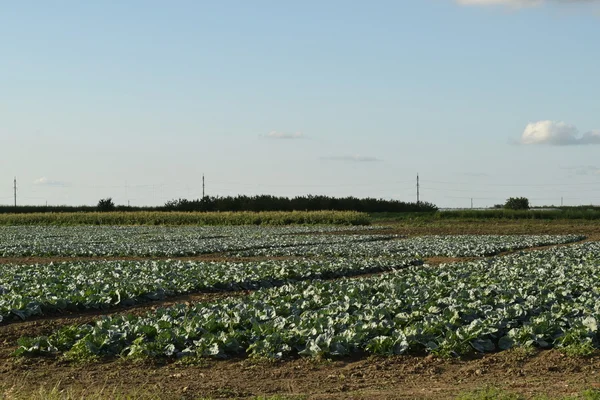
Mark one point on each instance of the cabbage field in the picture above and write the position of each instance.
(306, 293)
(165, 241)
(548, 298)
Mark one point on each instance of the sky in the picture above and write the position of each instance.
(138, 99)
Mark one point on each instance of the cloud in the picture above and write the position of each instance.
(283, 135)
(592, 137)
(354, 158)
(519, 3)
(43, 181)
(557, 133)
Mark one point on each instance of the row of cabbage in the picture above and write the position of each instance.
(548, 298)
(27, 290)
(423, 246)
(166, 241)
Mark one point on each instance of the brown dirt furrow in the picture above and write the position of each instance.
(400, 377)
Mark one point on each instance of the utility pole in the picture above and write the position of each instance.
(417, 188)
(471, 203)
(202, 186)
(561, 201)
(15, 188)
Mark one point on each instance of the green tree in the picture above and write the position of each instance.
(517, 203)
(106, 204)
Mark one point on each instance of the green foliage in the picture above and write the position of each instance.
(559, 214)
(106, 205)
(247, 203)
(517, 203)
(38, 289)
(580, 350)
(590, 394)
(494, 393)
(27, 290)
(299, 203)
(536, 299)
(175, 241)
(489, 393)
(188, 218)
(26, 390)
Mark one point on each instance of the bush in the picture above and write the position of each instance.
(517, 203)
(106, 204)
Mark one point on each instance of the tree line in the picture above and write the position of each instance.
(245, 203)
(298, 203)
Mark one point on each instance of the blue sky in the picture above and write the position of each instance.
(135, 100)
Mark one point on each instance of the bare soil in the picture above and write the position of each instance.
(548, 373)
(541, 372)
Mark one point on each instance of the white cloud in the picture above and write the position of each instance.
(592, 137)
(43, 181)
(557, 133)
(283, 135)
(354, 158)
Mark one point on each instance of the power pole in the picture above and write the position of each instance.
(15, 188)
(471, 203)
(561, 201)
(203, 186)
(417, 188)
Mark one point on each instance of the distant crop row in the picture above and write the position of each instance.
(547, 298)
(247, 241)
(424, 246)
(188, 218)
(84, 241)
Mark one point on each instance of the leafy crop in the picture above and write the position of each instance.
(424, 246)
(84, 241)
(27, 290)
(548, 298)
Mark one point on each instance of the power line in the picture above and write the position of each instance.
(517, 184)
